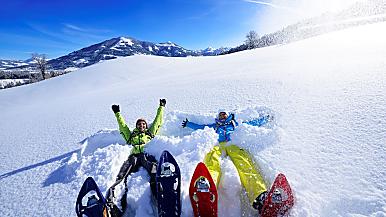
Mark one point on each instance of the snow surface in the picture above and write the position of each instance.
(123, 42)
(71, 69)
(80, 61)
(327, 94)
(126, 41)
(368, 19)
(5, 82)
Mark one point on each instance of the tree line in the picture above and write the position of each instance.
(253, 40)
(38, 71)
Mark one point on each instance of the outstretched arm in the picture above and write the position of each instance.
(194, 126)
(123, 128)
(157, 123)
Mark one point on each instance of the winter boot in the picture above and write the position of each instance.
(259, 201)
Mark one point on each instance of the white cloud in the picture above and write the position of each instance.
(268, 4)
(73, 27)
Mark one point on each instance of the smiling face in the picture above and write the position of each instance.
(222, 116)
(141, 126)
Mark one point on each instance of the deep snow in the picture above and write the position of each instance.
(327, 94)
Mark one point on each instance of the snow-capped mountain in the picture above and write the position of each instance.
(111, 49)
(213, 52)
(106, 50)
(327, 94)
(4, 64)
(121, 47)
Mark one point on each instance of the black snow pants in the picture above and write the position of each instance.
(134, 162)
(131, 165)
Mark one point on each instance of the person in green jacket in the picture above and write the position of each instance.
(138, 138)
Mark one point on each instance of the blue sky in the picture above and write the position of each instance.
(58, 27)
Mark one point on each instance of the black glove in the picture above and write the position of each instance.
(162, 102)
(115, 108)
(184, 123)
(232, 116)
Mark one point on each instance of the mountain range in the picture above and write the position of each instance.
(111, 49)
(4, 64)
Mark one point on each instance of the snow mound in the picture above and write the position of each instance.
(103, 153)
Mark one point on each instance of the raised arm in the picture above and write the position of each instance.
(157, 123)
(123, 128)
(232, 118)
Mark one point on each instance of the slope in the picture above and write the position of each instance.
(327, 91)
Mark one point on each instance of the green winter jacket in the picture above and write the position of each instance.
(135, 138)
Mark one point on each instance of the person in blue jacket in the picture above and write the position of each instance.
(224, 126)
(249, 174)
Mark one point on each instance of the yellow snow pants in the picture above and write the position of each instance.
(249, 174)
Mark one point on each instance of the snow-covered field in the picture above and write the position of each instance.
(5, 82)
(328, 94)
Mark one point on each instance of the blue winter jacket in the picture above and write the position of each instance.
(223, 127)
